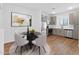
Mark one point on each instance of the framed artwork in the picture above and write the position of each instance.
(20, 20)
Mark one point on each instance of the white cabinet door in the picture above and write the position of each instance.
(75, 16)
(78, 25)
(71, 18)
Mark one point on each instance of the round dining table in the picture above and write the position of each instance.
(31, 37)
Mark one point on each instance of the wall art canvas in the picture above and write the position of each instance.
(21, 20)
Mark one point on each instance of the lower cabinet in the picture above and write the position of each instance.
(59, 32)
(50, 31)
(75, 32)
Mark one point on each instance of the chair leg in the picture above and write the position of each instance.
(21, 50)
(34, 49)
(26, 47)
(39, 50)
(16, 49)
(44, 49)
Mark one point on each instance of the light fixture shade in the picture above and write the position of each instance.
(53, 12)
(70, 8)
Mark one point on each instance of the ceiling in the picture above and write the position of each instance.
(48, 7)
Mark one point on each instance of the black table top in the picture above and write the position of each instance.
(31, 37)
(36, 33)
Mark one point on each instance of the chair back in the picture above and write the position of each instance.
(20, 40)
(41, 40)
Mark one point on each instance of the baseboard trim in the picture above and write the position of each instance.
(55, 35)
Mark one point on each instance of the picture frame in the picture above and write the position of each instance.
(20, 20)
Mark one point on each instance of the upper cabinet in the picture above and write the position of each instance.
(78, 18)
(52, 20)
(74, 18)
(78, 22)
(71, 20)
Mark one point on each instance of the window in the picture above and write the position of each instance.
(63, 21)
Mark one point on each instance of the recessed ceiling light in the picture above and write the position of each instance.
(53, 12)
(70, 8)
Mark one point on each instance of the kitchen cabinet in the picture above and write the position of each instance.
(71, 18)
(68, 30)
(78, 17)
(68, 33)
(58, 31)
(74, 20)
(75, 32)
(78, 25)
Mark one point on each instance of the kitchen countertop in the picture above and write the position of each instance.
(70, 27)
(54, 26)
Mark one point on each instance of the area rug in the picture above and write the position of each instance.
(30, 51)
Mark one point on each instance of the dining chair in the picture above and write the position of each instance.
(20, 41)
(40, 41)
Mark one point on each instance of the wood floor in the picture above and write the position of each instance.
(7, 47)
(58, 45)
(63, 46)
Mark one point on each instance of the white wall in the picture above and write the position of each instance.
(1, 41)
(1, 17)
(9, 31)
(1, 33)
(37, 20)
